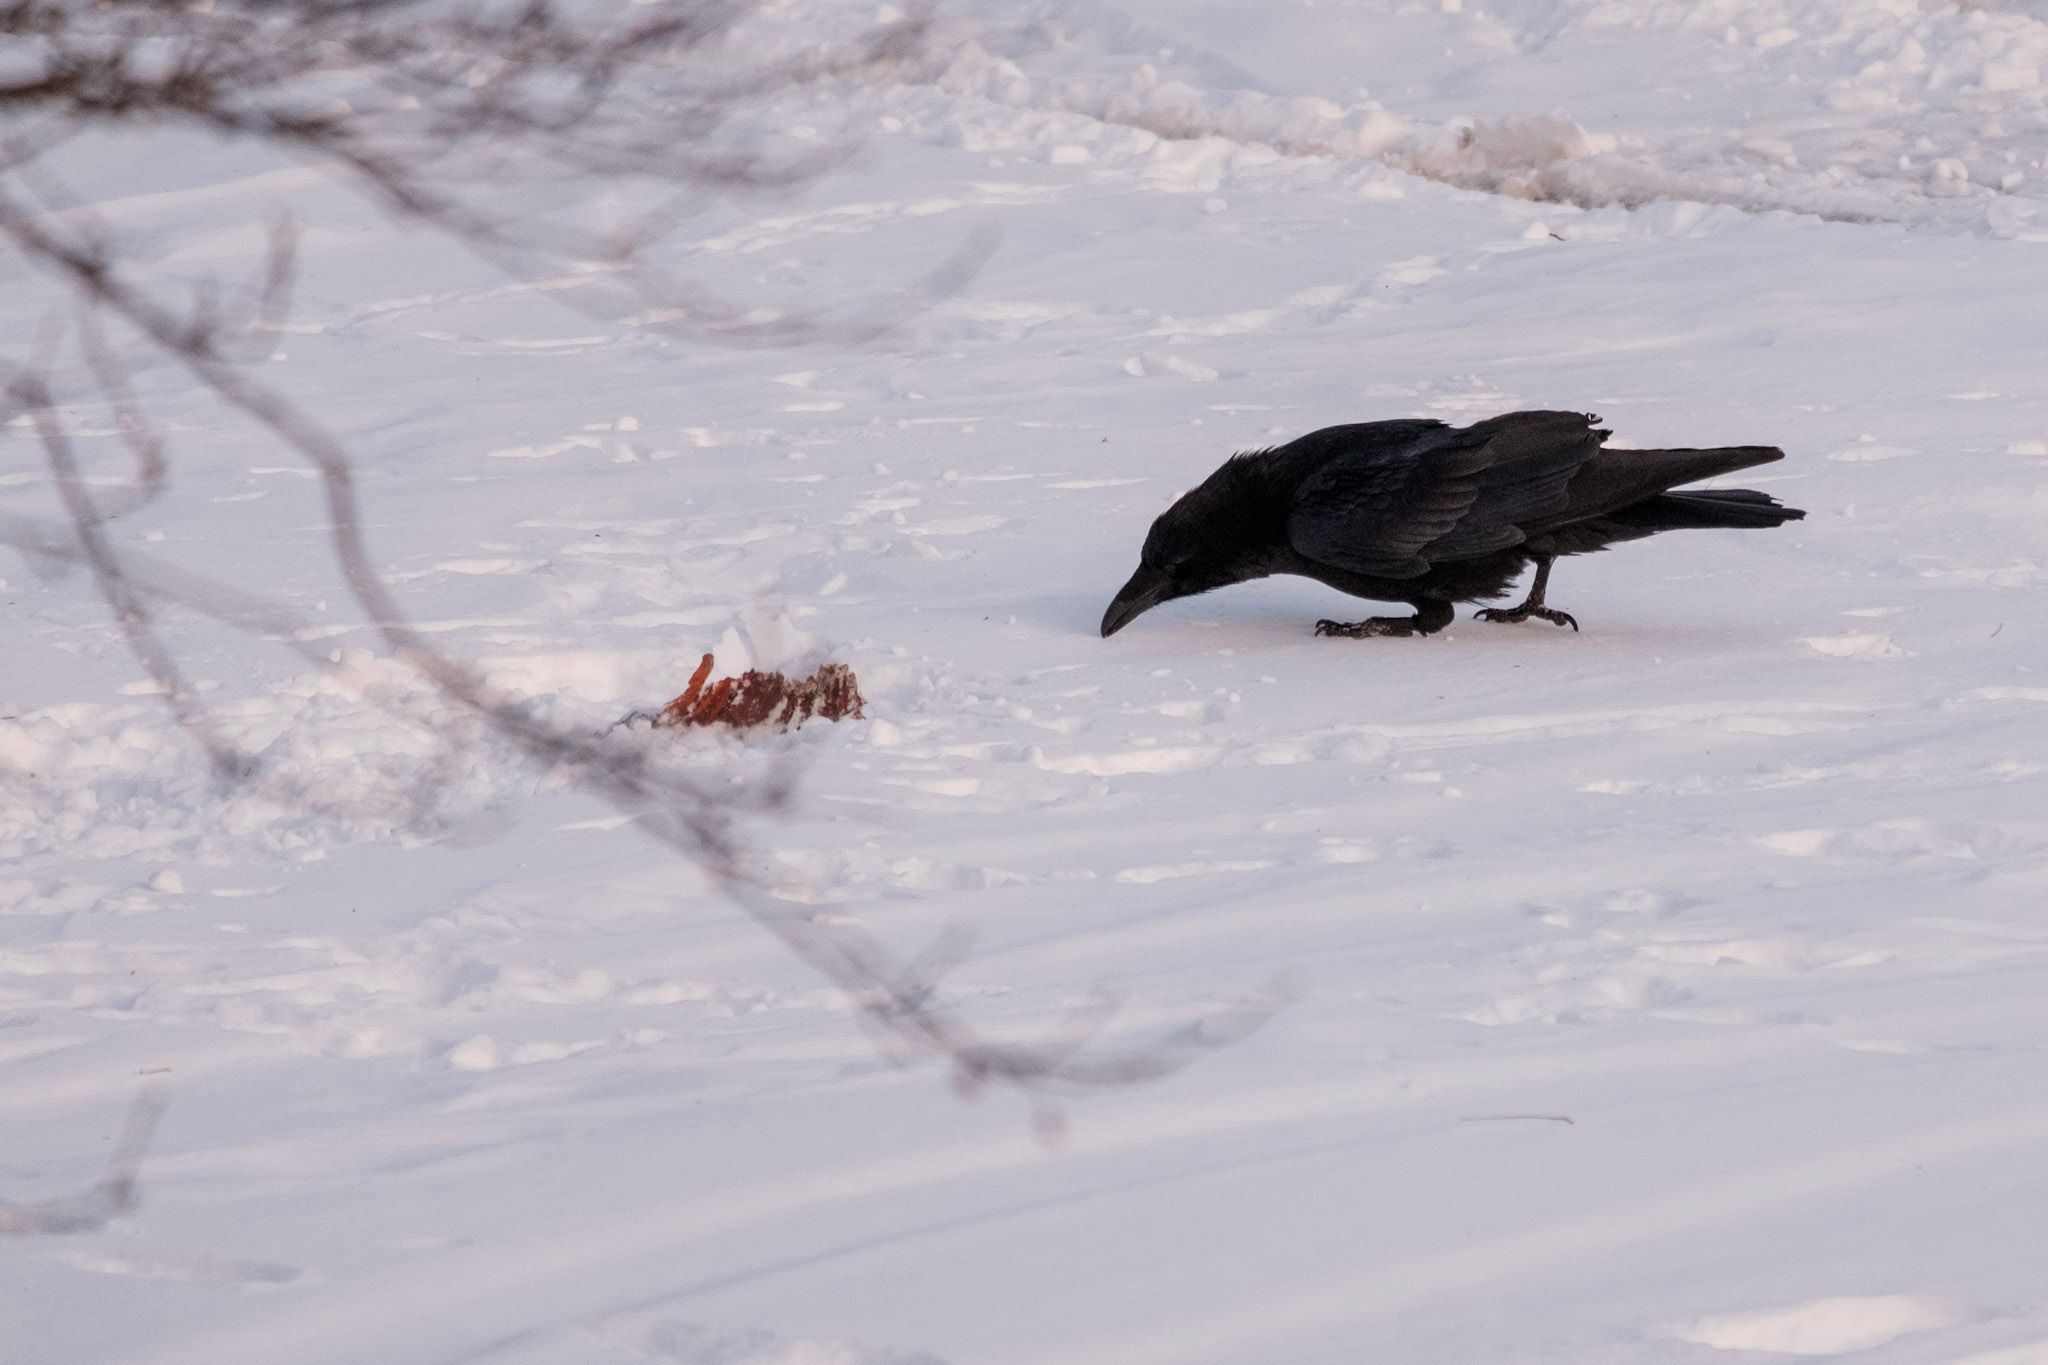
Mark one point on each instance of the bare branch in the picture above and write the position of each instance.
(422, 106)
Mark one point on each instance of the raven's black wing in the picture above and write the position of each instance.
(1391, 508)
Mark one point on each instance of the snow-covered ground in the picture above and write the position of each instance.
(1676, 991)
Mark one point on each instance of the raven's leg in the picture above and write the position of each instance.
(1534, 606)
(1429, 618)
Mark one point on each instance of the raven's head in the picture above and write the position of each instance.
(1210, 538)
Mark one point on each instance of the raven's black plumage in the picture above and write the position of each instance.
(1419, 512)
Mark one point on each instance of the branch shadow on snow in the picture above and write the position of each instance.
(117, 1192)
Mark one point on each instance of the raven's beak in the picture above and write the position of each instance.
(1147, 589)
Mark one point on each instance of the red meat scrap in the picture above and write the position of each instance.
(757, 698)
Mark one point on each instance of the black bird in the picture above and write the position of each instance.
(1419, 512)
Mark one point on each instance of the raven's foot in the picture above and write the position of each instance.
(1429, 618)
(1517, 615)
(1534, 606)
(1365, 630)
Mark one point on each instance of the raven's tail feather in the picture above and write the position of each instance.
(1622, 478)
(1735, 508)
(1689, 466)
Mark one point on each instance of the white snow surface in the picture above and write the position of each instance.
(1675, 991)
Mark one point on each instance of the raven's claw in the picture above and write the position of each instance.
(1366, 629)
(1516, 615)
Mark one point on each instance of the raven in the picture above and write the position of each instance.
(1420, 512)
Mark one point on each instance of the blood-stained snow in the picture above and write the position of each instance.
(1673, 991)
